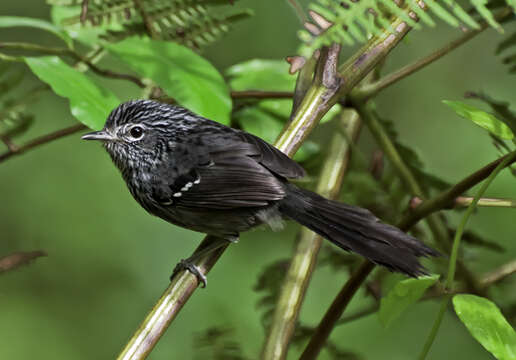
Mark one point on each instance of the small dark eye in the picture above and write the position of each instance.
(136, 132)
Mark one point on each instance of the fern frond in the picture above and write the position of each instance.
(509, 43)
(218, 343)
(353, 21)
(190, 22)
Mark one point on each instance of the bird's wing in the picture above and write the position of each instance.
(272, 158)
(224, 174)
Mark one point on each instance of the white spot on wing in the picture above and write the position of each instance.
(177, 194)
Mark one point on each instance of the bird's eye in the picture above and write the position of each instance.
(136, 132)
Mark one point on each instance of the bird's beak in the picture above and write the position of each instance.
(98, 135)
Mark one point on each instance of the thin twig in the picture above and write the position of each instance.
(298, 10)
(369, 90)
(71, 53)
(17, 259)
(257, 94)
(147, 20)
(499, 274)
(18, 150)
(446, 198)
(84, 11)
(305, 255)
(465, 201)
(335, 311)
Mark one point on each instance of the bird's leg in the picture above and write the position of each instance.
(189, 263)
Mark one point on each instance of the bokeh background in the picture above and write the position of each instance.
(109, 261)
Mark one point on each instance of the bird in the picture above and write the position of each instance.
(204, 176)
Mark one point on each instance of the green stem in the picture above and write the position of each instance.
(305, 255)
(455, 251)
(435, 327)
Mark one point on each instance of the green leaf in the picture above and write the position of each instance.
(402, 295)
(502, 109)
(13, 21)
(480, 6)
(481, 118)
(184, 75)
(487, 325)
(260, 74)
(89, 103)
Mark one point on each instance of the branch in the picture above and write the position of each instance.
(84, 11)
(445, 199)
(370, 90)
(304, 259)
(147, 20)
(298, 10)
(498, 274)
(257, 94)
(335, 311)
(18, 150)
(17, 259)
(465, 201)
(70, 53)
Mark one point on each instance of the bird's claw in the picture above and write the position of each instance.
(193, 269)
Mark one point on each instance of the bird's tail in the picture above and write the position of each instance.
(356, 229)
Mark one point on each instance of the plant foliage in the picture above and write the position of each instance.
(193, 23)
(350, 21)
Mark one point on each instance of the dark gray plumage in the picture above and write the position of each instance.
(204, 176)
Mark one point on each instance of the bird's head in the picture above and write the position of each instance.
(140, 132)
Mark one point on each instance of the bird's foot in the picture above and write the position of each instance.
(193, 269)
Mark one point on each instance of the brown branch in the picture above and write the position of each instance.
(18, 150)
(147, 20)
(84, 11)
(258, 94)
(445, 199)
(17, 259)
(335, 311)
(498, 274)
(465, 201)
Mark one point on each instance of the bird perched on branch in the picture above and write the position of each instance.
(207, 177)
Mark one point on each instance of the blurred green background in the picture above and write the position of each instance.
(109, 261)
